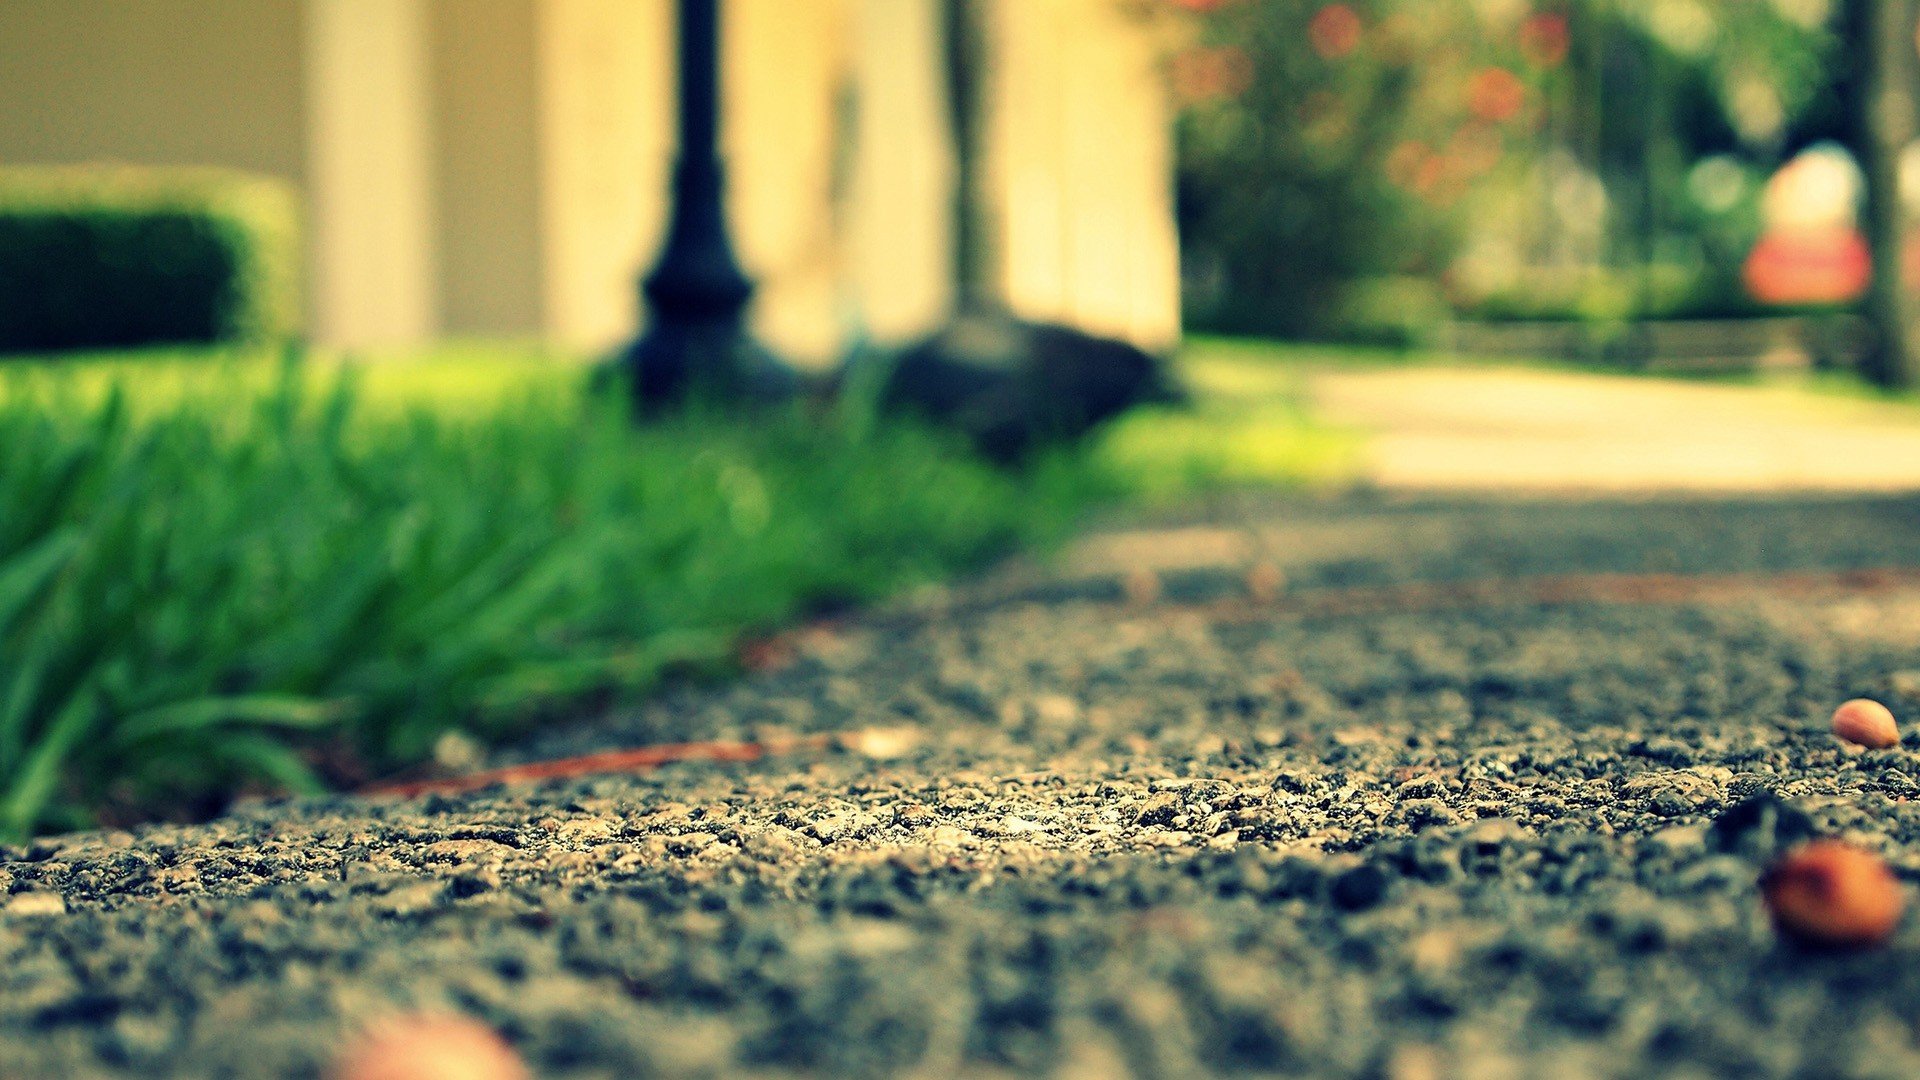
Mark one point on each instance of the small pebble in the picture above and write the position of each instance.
(762, 655)
(1867, 723)
(426, 1047)
(1833, 894)
(882, 743)
(1265, 582)
(36, 903)
(1142, 587)
(457, 751)
(1359, 888)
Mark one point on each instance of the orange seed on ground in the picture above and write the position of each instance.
(1865, 722)
(430, 1047)
(1833, 894)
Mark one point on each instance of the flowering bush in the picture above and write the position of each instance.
(1468, 142)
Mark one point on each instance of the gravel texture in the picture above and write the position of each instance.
(1071, 836)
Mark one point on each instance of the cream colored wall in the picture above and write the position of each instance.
(1081, 169)
(370, 177)
(153, 82)
(606, 138)
(499, 167)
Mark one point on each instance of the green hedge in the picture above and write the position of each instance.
(111, 257)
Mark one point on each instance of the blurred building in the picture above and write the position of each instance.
(497, 167)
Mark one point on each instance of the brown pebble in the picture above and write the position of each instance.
(1833, 894)
(1265, 582)
(1142, 587)
(1865, 722)
(430, 1047)
(760, 655)
(1416, 1062)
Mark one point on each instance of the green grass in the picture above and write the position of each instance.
(222, 574)
(1248, 425)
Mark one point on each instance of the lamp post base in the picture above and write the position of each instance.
(675, 364)
(696, 348)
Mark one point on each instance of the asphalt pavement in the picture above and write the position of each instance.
(1384, 787)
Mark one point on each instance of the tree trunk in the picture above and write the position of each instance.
(1882, 47)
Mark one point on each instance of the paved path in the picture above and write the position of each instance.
(1477, 428)
(1380, 823)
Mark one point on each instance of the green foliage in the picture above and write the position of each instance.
(279, 580)
(1284, 188)
(1249, 426)
(1737, 75)
(102, 258)
(1330, 146)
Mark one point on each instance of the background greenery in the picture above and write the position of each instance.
(1366, 168)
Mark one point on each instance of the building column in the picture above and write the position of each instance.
(370, 207)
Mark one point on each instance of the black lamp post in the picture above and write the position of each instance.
(695, 344)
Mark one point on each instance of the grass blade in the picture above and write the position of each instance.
(255, 710)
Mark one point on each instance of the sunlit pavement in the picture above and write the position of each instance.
(1492, 429)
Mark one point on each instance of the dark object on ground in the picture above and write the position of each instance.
(1360, 888)
(1760, 828)
(1012, 386)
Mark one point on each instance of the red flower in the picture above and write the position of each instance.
(1335, 31)
(1544, 39)
(1405, 163)
(1496, 95)
(1201, 75)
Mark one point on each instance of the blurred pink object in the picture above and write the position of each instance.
(1819, 265)
(431, 1047)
